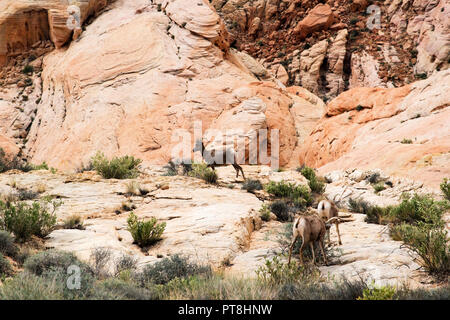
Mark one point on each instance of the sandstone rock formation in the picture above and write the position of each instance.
(181, 71)
(402, 130)
(319, 18)
(24, 23)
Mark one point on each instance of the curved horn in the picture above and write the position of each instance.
(333, 220)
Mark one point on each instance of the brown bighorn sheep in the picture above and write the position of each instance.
(327, 209)
(311, 229)
(229, 154)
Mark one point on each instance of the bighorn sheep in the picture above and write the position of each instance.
(327, 209)
(311, 229)
(229, 154)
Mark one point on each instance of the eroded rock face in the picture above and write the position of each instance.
(402, 130)
(24, 23)
(181, 71)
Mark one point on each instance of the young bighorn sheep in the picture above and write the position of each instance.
(229, 154)
(327, 209)
(311, 229)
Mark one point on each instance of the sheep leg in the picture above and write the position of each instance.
(337, 230)
(242, 171)
(323, 252)
(291, 247)
(311, 245)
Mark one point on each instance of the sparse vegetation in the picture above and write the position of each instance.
(7, 245)
(379, 187)
(406, 141)
(126, 167)
(251, 185)
(281, 209)
(264, 213)
(202, 171)
(445, 188)
(5, 266)
(74, 221)
(12, 163)
(28, 69)
(25, 220)
(288, 190)
(145, 233)
(168, 269)
(316, 184)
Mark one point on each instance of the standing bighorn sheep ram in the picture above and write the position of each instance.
(228, 157)
(313, 229)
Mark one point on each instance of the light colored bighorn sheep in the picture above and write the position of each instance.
(311, 229)
(229, 155)
(327, 209)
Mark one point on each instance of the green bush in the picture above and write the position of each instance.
(431, 244)
(251, 185)
(25, 220)
(171, 169)
(42, 166)
(359, 206)
(126, 167)
(275, 271)
(7, 246)
(307, 172)
(418, 208)
(379, 187)
(289, 190)
(381, 293)
(168, 269)
(145, 233)
(281, 209)
(202, 171)
(376, 214)
(5, 266)
(264, 213)
(445, 188)
(28, 69)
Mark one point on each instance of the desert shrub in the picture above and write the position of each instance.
(264, 213)
(133, 188)
(378, 293)
(359, 206)
(275, 271)
(289, 190)
(171, 169)
(168, 269)
(445, 188)
(126, 167)
(202, 171)
(74, 221)
(406, 141)
(317, 185)
(281, 209)
(125, 263)
(118, 289)
(373, 178)
(145, 233)
(5, 266)
(26, 286)
(25, 194)
(28, 69)
(99, 260)
(379, 187)
(376, 214)
(57, 267)
(25, 220)
(430, 243)
(42, 166)
(7, 245)
(251, 185)
(418, 208)
(307, 172)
